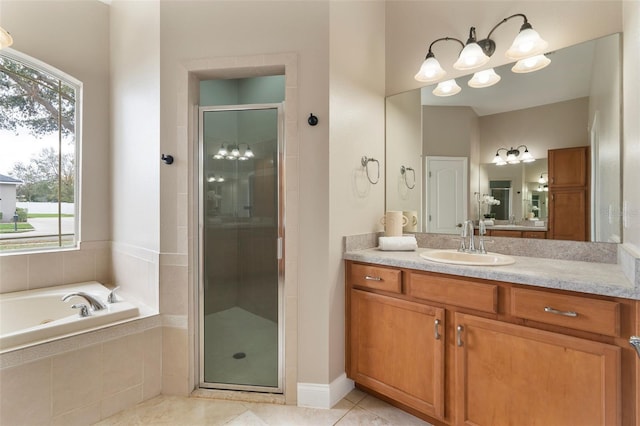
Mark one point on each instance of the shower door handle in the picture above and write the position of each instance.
(279, 248)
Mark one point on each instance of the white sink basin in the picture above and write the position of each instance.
(461, 258)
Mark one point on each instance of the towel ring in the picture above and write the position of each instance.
(365, 161)
(403, 172)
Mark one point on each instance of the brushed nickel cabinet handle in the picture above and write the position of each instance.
(370, 278)
(550, 310)
(437, 329)
(459, 329)
(635, 342)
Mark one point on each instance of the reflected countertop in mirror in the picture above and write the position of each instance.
(575, 101)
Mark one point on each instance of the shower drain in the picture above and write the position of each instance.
(239, 355)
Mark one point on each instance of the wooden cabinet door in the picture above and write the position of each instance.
(507, 374)
(397, 349)
(568, 214)
(568, 167)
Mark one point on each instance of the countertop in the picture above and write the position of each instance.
(585, 277)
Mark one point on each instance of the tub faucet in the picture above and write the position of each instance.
(95, 303)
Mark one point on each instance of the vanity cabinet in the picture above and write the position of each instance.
(569, 193)
(465, 351)
(510, 374)
(516, 234)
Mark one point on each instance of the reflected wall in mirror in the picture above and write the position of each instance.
(575, 101)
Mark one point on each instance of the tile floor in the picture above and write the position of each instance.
(357, 408)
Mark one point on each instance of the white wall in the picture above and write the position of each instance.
(357, 128)
(631, 112)
(404, 148)
(135, 141)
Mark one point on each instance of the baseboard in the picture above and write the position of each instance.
(314, 395)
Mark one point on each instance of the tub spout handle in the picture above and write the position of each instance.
(84, 310)
(113, 298)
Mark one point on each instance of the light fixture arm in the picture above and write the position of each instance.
(430, 53)
(489, 46)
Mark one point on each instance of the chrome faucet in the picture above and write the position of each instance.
(482, 231)
(95, 303)
(467, 231)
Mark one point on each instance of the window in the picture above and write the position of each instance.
(39, 140)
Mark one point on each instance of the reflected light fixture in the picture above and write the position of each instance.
(232, 152)
(513, 156)
(447, 88)
(542, 179)
(527, 48)
(5, 38)
(484, 78)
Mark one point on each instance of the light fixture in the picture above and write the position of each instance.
(5, 38)
(475, 53)
(214, 178)
(447, 88)
(472, 55)
(430, 70)
(513, 156)
(484, 78)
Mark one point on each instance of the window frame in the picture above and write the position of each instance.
(78, 86)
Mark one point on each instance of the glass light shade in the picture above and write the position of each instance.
(447, 88)
(512, 159)
(498, 161)
(222, 151)
(527, 43)
(527, 157)
(541, 180)
(430, 71)
(211, 179)
(5, 38)
(534, 63)
(248, 153)
(218, 156)
(235, 152)
(220, 179)
(484, 78)
(471, 57)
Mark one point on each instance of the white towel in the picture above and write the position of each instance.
(538, 223)
(404, 243)
(488, 222)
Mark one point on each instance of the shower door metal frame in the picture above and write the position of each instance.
(279, 107)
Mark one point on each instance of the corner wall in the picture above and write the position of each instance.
(631, 124)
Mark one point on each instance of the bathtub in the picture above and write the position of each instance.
(38, 316)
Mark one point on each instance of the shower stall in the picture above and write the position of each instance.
(241, 262)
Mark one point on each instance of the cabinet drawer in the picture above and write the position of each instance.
(506, 233)
(453, 291)
(580, 313)
(375, 277)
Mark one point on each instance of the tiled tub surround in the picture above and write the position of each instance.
(82, 379)
(582, 267)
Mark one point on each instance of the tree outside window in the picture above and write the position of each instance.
(38, 138)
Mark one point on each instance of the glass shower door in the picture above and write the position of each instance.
(241, 248)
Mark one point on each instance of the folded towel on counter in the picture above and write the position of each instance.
(538, 223)
(404, 243)
(488, 222)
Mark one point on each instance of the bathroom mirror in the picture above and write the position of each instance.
(575, 101)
